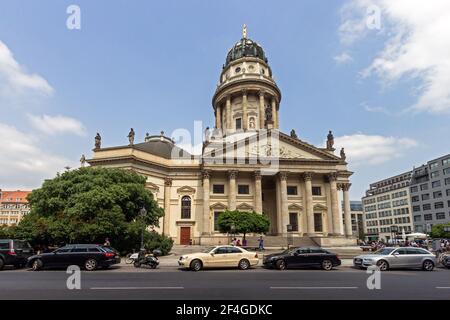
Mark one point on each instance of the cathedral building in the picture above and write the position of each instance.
(246, 164)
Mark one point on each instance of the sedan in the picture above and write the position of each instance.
(302, 257)
(392, 258)
(219, 257)
(87, 256)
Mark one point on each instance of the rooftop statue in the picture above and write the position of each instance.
(131, 137)
(98, 141)
(330, 140)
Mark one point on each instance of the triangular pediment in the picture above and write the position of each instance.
(218, 206)
(186, 190)
(260, 146)
(295, 207)
(152, 186)
(244, 207)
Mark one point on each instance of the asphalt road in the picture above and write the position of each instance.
(171, 283)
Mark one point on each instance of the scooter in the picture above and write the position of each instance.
(150, 260)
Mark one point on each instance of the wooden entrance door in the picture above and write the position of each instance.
(185, 235)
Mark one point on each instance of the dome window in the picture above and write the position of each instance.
(237, 70)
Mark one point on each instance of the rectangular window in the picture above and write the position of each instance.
(243, 189)
(428, 217)
(417, 218)
(292, 190)
(416, 208)
(293, 220)
(426, 196)
(436, 184)
(446, 161)
(440, 215)
(433, 165)
(216, 220)
(316, 191)
(437, 194)
(424, 186)
(447, 181)
(427, 206)
(317, 222)
(439, 205)
(414, 189)
(238, 123)
(446, 171)
(219, 188)
(434, 174)
(415, 199)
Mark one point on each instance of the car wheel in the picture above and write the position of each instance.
(2, 264)
(137, 264)
(281, 265)
(327, 265)
(244, 264)
(196, 265)
(37, 265)
(428, 265)
(154, 266)
(383, 265)
(90, 264)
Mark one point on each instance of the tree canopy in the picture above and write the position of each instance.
(88, 205)
(437, 230)
(244, 222)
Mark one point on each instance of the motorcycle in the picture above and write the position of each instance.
(144, 259)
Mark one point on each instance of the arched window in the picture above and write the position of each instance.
(186, 207)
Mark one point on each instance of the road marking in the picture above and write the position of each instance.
(311, 288)
(442, 287)
(137, 288)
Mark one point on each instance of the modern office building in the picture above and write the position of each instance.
(13, 206)
(387, 206)
(430, 194)
(357, 216)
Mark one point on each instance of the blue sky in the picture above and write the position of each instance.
(154, 65)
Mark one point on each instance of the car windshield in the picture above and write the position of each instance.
(21, 245)
(384, 251)
(208, 250)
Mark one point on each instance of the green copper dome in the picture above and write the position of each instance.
(245, 48)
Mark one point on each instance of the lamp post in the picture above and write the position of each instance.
(233, 230)
(142, 212)
(394, 230)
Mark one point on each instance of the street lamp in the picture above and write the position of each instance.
(233, 230)
(142, 212)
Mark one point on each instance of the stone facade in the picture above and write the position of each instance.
(247, 164)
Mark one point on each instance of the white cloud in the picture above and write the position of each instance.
(23, 164)
(344, 57)
(373, 149)
(57, 124)
(15, 80)
(418, 46)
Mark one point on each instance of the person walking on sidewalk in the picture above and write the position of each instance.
(261, 243)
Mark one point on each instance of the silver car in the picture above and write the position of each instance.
(391, 258)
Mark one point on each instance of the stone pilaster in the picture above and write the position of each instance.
(274, 113)
(347, 212)
(258, 192)
(332, 178)
(244, 110)
(232, 174)
(228, 112)
(206, 212)
(307, 177)
(166, 219)
(219, 117)
(262, 113)
(284, 201)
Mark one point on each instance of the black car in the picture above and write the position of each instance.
(302, 257)
(14, 252)
(87, 256)
(446, 261)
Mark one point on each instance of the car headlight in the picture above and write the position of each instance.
(369, 260)
(183, 257)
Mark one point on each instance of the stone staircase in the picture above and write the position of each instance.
(281, 242)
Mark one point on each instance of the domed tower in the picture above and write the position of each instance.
(247, 97)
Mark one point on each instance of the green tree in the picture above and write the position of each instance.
(89, 205)
(244, 222)
(437, 230)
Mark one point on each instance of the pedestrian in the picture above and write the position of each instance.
(261, 243)
(238, 243)
(233, 243)
(107, 243)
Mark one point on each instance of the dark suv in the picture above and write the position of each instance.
(14, 252)
(87, 256)
(302, 257)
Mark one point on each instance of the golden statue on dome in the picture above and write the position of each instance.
(244, 31)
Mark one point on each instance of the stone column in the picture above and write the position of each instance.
(262, 113)
(307, 177)
(284, 201)
(232, 189)
(219, 117)
(347, 211)
(258, 192)
(206, 212)
(228, 112)
(274, 113)
(334, 204)
(244, 110)
(166, 220)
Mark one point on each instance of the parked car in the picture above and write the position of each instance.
(87, 256)
(302, 257)
(391, 258)
(446, 261)
(219, 257)
(14, 252)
